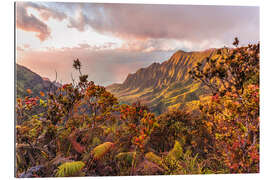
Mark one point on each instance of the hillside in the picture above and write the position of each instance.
(165, 85)
(27, 79)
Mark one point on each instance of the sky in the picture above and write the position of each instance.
(113, 40)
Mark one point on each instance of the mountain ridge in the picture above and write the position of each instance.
(163, 85)
(27, 79)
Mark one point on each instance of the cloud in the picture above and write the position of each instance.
(19, 48)
(46, 12)
(150, 45)
(150, 27)
(23, 47)
(31, 23)
(79, 23)
(26, 46)
(181, 22)
(86, 46)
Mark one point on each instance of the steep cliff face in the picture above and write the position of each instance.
(164, 85)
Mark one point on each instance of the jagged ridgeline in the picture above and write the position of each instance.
(26, 79)
(165, 85)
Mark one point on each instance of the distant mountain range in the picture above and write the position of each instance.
(161, 85)
(165, 85)
(27, 79)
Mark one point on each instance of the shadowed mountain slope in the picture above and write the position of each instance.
(27, 79)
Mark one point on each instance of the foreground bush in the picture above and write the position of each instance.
(81, 130)
(232, 113)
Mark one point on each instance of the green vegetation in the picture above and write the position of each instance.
(82, 129)
(26, 79)
(70, 169)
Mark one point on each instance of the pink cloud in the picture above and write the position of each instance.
(45, 12)
(29, 22)
(182, 22)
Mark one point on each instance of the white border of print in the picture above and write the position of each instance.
(7, 86)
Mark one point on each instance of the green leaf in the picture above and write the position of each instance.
(70, 169)
(99, 151)
(150, 156)
(176, 152)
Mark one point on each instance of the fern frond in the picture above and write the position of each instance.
(150, 156)
(70, 169)
(100, 150)
(127, 157)
(176, 152)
